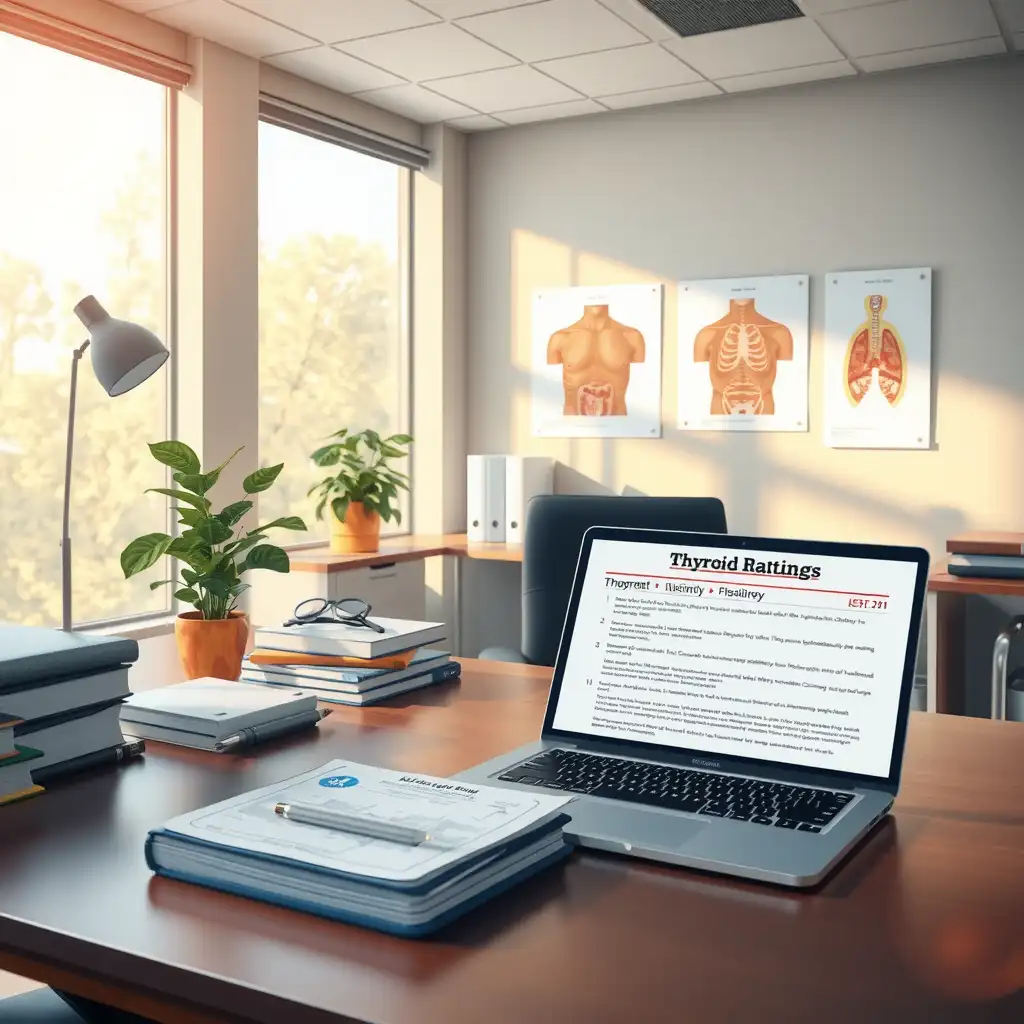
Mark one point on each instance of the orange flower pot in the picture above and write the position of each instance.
(359, 532)
(211, 647)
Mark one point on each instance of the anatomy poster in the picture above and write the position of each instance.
(597, 361)
(743, 353)
(878, 329)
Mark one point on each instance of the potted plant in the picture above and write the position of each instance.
(214, 553)
(361, 492)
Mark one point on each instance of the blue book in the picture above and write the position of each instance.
(357, 698)
(471, 842)
(33, 654)
(344, 679)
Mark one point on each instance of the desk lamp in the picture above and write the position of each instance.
(123, 356)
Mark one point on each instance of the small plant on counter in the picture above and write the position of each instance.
(363, 491)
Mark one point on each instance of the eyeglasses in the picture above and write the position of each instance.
(350, 610)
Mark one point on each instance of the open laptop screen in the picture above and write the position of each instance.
(783, 657)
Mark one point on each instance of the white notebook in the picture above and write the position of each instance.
(214, 708)
(331, 638)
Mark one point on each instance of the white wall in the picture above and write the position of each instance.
(917, 168)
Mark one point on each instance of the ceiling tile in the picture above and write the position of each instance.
(330, 21)
(475, 123)
(231, 26)
(640, 18)
(451, 9)
(816, 7)
(743, 51)
(434, 51)
(626, 70)
(416, 102)
(933, 54)
(550, 113)
(1012, 13)
(1018, 41)
(488, 91)
(788, 76)
(652, 97)
(335, 70)
(553, 28)
(143, 6)
(909, 25)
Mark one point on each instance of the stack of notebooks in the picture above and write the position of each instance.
(63, 692)
(350, 664)
(992, 555)
(15, 771)
(459, 845)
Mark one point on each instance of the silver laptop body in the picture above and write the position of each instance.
(706, 685)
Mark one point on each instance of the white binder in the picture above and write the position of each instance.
(485, 497)
(525, 477)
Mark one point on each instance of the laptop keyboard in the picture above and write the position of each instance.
(682, 789)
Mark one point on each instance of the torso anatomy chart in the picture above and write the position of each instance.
(746, 369)
(597, 362)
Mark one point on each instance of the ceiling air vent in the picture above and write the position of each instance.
(698, 17)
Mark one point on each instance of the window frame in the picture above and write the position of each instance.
(171, 366)
(406, 192)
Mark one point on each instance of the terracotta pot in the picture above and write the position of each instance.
(211, 647)
(360, 531)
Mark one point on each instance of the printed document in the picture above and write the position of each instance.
(462, 819)
(796, 659)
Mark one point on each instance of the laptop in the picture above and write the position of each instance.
(733, 704)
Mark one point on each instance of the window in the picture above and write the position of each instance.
(82, 210)
(332, 284)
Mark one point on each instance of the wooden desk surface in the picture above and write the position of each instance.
(925, 924)
(405, 549)
(943, 582)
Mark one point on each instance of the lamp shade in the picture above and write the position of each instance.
(123, 354)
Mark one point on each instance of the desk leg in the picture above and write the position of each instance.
(457, 604)
(946, 626)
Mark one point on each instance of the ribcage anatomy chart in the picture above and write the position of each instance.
(877, 385)
(743, 354)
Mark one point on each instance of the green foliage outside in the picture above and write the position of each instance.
(214, 556)
(328, 316)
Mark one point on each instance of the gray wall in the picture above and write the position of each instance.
(916, 168)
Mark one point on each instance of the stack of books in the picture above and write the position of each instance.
(984, 554)
(15, 772)
(64, 691)
(350, 664)
(396, 851)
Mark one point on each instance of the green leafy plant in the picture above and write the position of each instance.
(364, 474)
(213, 555)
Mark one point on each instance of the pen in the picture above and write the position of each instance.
(305, 814)
(272, 730)
(111, 755)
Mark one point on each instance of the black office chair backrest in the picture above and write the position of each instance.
(555, 524)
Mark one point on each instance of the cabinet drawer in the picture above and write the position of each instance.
(395, 590)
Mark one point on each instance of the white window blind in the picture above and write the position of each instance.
(85, 42)
(286, 114)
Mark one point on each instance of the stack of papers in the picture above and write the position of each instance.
(482, 840)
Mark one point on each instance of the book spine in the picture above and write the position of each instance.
(1013, 549)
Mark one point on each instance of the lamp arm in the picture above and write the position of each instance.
(65, 541)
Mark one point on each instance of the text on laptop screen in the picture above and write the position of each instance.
(756, 654)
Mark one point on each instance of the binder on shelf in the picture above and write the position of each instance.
(525, 477)
(485, 497)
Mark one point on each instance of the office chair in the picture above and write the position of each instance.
(555, 524)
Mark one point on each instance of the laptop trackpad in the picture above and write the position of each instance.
(630, 826)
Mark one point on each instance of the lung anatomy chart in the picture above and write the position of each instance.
(878, 359)
(597, 361)
(743, 346)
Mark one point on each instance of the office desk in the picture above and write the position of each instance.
(410, 548)
(947, 610)
(924, 925)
